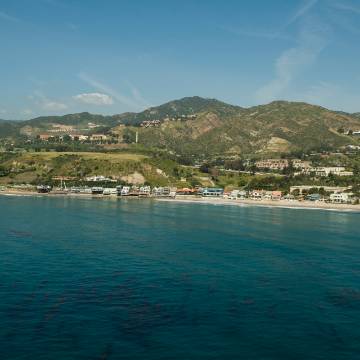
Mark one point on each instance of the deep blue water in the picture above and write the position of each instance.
(131, 279)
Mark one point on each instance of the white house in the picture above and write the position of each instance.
(257, 194)
(341, 198)
(145, 190)
(125, 190)
(110, 191)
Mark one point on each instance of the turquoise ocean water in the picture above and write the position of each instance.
(131, 279)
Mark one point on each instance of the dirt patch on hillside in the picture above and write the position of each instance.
(134, 178)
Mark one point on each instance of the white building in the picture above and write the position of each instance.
(238, 194)
(145, 190)
(110, 191)
(125, 190)
(341, 198)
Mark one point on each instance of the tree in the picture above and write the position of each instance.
(205, 168)
(66, 138)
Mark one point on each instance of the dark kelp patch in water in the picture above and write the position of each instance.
(345, 297)
(20, 233)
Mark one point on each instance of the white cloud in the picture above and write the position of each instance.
(130, 101)
(312, 40)
(47, 104)
(53, 105)
(322, 93)
(138, 97)
(346, 7)
(3, 111)
(94, 98)
(305, 7)
(27, 112)
(331, 96)
(265, 34)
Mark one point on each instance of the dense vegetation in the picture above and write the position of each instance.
(216, 128)
(221, 139)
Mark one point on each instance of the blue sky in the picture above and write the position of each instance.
(66, 56)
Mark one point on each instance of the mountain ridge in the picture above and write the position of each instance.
(209, 127)
(184, 102)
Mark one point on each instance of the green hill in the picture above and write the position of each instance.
(177, 108)
(195, 126)
(71, 119)
(273, 128)
(9, 128)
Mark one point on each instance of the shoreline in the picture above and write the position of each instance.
(286, 204)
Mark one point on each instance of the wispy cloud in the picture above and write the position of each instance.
(138, 97)
(7, 17)
(321, 92)
(27, 112)
(305, 7)
(55, 3)
(312, 40)
(278, 34)
(134, 101)
(331, 96)
(72, 26)
(47, 104)
(94, 99)
(347, 7)
(271, 35)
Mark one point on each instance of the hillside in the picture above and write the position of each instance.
(39, 167)
(81, 122)
(175, 109)
(273, 128)
(195, 126)
(8, 129)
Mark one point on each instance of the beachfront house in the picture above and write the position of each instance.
(97, 190)
(185, 191)
(157, 191)
(238, 194)
(85, 190)
(234, 194)
(257, 194)
(313, 197)
(212, 192)
(145, 191)
(306, 188)
(164, 191)
(341, 198)
(276, 195)
(267, 195)
(289, 197)
(125, 190)
(173, 191)
(110, 191)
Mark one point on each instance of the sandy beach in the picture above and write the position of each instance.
(294, 204)
(267, 203)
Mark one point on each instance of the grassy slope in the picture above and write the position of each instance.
(43, 166)
(223, 129)
(276, 127)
